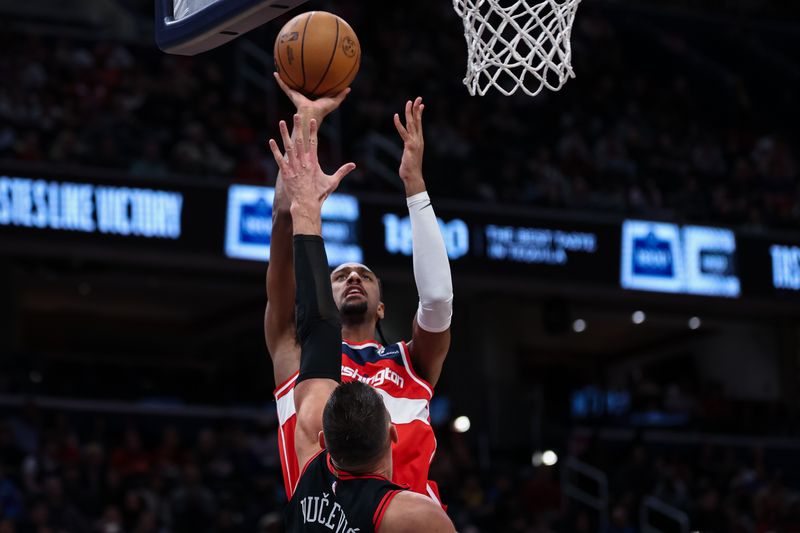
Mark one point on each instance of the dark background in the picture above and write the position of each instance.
(135, 386)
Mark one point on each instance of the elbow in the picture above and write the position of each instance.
(442, 308)
(435, 317)
(439, 295)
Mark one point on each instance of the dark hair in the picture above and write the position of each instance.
(355, 423)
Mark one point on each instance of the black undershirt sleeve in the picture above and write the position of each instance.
(319, 329)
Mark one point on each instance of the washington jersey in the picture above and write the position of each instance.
(328, 500)
(407, 398)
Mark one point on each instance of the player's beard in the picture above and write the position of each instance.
(354, 312)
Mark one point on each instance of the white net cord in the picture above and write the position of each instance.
(524, 45)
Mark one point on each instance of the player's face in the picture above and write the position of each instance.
(355, 290)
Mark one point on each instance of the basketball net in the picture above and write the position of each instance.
(522, 46)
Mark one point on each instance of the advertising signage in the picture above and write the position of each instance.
(90, 208)
(665, 257)
(112, 214)
(499, 244)
(785, 267)
(248, 225)
(184, 221)
(770, 267)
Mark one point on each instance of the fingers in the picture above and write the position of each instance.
(285, 137)
(291, 93)
(339, 175)
(276, 153)
(400, 129)
(418, 108)
(339, 97)
(281, 83)
(409, 116)
(313, 130)
(300, 141)
(291, 155)
(413, 125)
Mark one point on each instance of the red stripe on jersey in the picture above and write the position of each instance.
(286, 386)
(305, 466)
(286, 430)
(410, 368)
(288, 455)
(362, 344)
(377, 518)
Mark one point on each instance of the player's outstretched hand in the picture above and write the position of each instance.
(413, 141)
(307, 108)
(306, 185)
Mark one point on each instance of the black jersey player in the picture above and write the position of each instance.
(343, 435)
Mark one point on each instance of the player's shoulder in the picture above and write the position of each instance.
(409, 512)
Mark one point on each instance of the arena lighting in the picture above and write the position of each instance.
(579, 326)
(695, 322)
(638, 317)
(549, 458)
(546, 458)
(461, 424)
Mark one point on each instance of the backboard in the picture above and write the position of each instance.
(189, 27)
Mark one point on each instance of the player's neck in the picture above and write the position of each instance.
(382, 468)
(358, 332)
(385, 469)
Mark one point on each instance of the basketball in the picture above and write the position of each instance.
(317, 54)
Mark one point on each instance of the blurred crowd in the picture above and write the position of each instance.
(87, 474)
(675, 395)
(661, 120)
(77, 473)
(721, 488)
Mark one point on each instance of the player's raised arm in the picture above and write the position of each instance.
(318, 326)
(279, 319)
(279, 327)
(430, 339)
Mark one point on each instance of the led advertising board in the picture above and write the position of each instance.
(248, 225)
(127, 216)
(664, 257)
(504, 245)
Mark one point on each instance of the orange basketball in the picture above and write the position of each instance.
(317, 53)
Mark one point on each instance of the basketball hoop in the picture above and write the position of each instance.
(524, 45)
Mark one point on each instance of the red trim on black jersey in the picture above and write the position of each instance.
(305, 466)
(377, 518)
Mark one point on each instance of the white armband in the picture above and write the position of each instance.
(431, 266)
